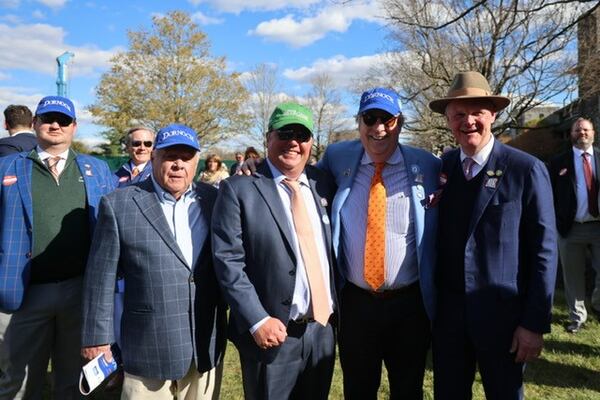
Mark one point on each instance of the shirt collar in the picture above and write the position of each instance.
(278, 176)
(44, 154)
(578, 152)
(19, 132)
(395, 158)
(482, 155)
(165, 197)
(139, 167)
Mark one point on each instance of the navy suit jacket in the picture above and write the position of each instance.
(254, 256)
(343, 159)
(25, 141)
(510, 257)
(16, 218)
(123, 174)
(564, 184)
(173, 311)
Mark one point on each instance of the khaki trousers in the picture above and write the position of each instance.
(193, 386)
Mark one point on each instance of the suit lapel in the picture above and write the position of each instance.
(416, 181)
(496, 162)
(267, 189)
(23, 171)
(146, 200)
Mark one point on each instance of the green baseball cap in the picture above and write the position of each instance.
(291, 113)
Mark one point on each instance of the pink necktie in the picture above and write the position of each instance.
(467, 165)
(590, 184)
(52, 163)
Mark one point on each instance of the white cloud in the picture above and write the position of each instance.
(10, 4)
(11, 19)
(35, 47)
(38, 14)
(343, 70)
(335, 18)
(237, 6)
(53, 3)
(204, 19)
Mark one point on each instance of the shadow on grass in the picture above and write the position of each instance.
(544, 372)
(559, 346)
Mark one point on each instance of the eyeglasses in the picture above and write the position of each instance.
(138, 143)
(50, 118)
(299, 135)
(371, 119)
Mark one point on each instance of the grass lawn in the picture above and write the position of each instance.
(569, 368)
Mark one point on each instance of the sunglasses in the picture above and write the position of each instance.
(371, 119)
(299, 135)
(138, 143)
(50, 118)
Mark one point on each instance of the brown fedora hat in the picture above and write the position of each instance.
(469, 85)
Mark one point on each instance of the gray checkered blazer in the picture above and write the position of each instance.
(173, 312)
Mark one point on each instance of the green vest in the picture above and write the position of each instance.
(61, 228)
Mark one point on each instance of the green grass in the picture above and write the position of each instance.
(569, 368)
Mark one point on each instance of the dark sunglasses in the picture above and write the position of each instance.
(50, 118)
(371, 119)
(138, 143)
(299, 135)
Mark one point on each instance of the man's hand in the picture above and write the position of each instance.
(89, 353)
(527, 344)
(270, 334)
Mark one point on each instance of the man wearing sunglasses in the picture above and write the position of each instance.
(48, 199)
(273, 259)
(139, 142)
(384, 226)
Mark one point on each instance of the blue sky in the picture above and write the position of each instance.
(301, 37)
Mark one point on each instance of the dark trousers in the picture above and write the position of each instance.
(456, 355)
(302, 369)
(393, 330)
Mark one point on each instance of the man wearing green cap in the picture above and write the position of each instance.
(273, 259)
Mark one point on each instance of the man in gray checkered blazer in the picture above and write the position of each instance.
(156, 235)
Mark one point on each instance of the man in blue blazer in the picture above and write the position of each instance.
(280, 292)
(497, 252)
(388, 321)
(48, 201)
(156, 234)
(139, 143)
(17, 121)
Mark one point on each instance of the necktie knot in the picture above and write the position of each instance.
(292, 184)
(135, 172)
(52, 163)
(467, 165)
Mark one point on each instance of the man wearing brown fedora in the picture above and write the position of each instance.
(496, 251)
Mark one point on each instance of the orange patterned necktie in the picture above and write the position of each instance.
(310, 256)
(375, 236)
(135, 172)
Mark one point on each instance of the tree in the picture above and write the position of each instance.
(263, 84)
(524, 49)
(168, 76)
(325, 100)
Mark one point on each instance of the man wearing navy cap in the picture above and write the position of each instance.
(48, 199)
(384, 225)
(155, 233)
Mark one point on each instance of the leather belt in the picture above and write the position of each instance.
(386, 294)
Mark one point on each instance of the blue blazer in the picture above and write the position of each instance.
(123, 175)
(25, 141)
(343, 159)
(16, 219)
(511, 250)
(172, 312)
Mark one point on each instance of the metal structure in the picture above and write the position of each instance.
(61, 79)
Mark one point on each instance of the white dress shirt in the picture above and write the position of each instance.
(480, 158)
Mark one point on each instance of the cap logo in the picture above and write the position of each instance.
(56, 102)
(378, 94)
(295, 113)
(177, 132)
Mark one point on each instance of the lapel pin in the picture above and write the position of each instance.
(419, 178)
(562, 172)
(491, 183)
(325, 219)
(9, 180)
(347, 172)
(414, 169)
(499, 172)
(88, 172)
(324, 202)
(490, 172)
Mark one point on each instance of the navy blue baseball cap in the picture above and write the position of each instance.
(176, 134)
(57, 104)
(380, 99)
